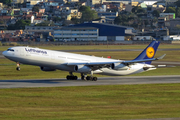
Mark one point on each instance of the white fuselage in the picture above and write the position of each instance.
(60, 60)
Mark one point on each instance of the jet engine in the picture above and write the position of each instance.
(82, 69)
(47, 69)
(118, 66)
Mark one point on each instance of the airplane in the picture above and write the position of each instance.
(50, 60)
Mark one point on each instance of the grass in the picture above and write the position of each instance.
(91, 102)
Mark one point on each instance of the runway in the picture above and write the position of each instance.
(101, 81)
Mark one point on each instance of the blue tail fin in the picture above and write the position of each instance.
(149, 52)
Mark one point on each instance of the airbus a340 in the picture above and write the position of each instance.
(50, 60)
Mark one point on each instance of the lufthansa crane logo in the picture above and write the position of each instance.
(150, 52)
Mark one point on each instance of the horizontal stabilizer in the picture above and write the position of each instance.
(161, 57)
(143, 60)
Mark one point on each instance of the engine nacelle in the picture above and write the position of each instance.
(82, 69)
(47, 69)
(119, 66)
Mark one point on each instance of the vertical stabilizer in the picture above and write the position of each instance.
(149, 52)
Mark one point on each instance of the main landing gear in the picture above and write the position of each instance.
(18, 66)
(91, 78)
(71, 76)
(83, 77)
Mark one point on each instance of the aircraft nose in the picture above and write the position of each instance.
(4, 53)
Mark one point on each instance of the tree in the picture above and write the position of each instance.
(177, 3)
(127, 19)
(20, 24)
(153, 22)
(137, 9)
(56, 19)
(178, 12)
(118, 20)
(122, 20)
(156, 13)
(84, 8)
(78, 5)
(45, 23)
(141, 10)
(11, 27)
(134, 9)
(35, 8)
(88, 14)
(75, 20)
(170, 10)
(131, 17)
(1, 22)
(178, 27)
(146, 22)
(5, 1)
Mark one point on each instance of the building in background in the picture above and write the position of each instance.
(93, 31)
(76, 34)
(169, 16)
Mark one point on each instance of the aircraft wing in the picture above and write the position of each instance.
(97, 65)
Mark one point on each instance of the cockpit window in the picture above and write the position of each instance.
(10, 50)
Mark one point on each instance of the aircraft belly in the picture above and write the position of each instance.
(107, 71)
(65, 67)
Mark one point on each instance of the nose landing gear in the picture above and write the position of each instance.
(18, 66)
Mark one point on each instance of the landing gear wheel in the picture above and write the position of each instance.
(94, 78)
(91, 78)
(69, 77)
(88, 78)
(74, 77)
(18, 68)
